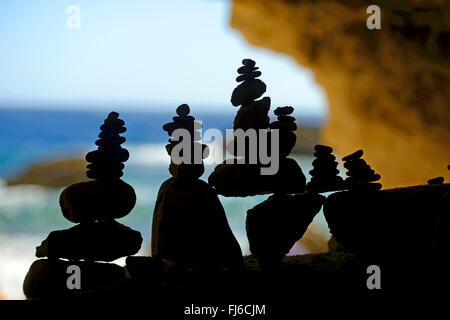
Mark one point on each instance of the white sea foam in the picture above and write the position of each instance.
(14, 197)
(17, 254)
(148, 155)
(156, 154)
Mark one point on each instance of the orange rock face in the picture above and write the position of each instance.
(388, 89)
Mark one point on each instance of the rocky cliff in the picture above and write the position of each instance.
(52, 174)
(387, 89)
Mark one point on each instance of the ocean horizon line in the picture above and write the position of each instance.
(316, 118)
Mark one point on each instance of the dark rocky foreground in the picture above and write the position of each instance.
(391, 223)
(403, 231)
(311, 276)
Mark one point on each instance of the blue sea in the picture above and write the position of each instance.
(29, 212)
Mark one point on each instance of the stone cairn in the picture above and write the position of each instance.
(190, 227)
(360, 175)
(98, 237)
(286, 126)
(324, 176)
(106, 163)
(186, 122)
(252, 114)
(244, 178)
(286, 214)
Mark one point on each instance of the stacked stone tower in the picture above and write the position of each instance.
(325, 173)
(360, 175)
(277, 223)
(97, 237)
(190, 227)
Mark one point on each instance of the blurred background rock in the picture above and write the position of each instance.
(387, 89)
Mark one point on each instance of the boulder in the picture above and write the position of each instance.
(97, 199)
(248, 91)
(48, 278)
(383, 224)
(242, 180)
(186, 171)
(190, 226)
(274, 225)
(93, 241)
(253, 115)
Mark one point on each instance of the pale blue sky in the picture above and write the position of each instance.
(136, 54)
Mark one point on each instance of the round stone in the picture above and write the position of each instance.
(112, 116)
(322, 148)
(183, 110)
(120, 155)
(247, 92)
(245, 69)
(248, 76)
(281, 125)
(438, 180)
(96, 200)
(110, 132)
(286, 118)
(283, 111)
(248, 63)
(110, 141)
(105, 240)
(355, 155)
(186, 171)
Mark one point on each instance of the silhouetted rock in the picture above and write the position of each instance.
(253, 114)
(325, 173)
(106, 162)
(437, 180)
(353, 156)
(98, 237)
(242, 180)
(251, 88)
(390, 222)
(186, 171)
(190, 226)
(96, 200)
(93, 241)
(48, 278)
(359, 173)
(286, 126)
(274, 225)
(186, 122)
(189, 223)
(146, 268)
